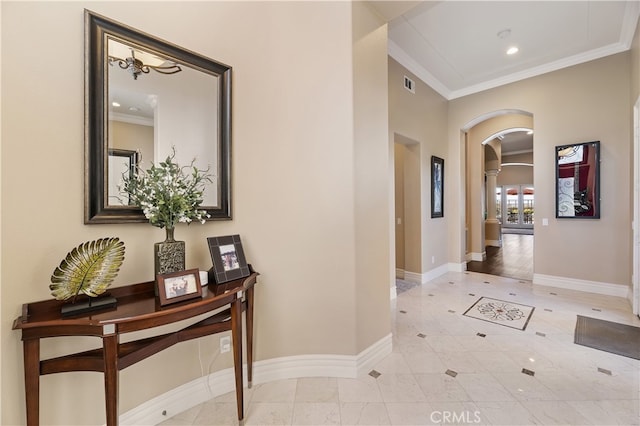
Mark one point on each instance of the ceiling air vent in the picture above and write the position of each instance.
(409, 84)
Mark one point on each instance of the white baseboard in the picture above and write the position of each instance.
(457, 267)
(479, 257)
(435, 273)
(366, 359)
(413, 277)
(180, 399)
(597, 287)
(399, 273)
(425, 277)
(205, 388)
(493, 243)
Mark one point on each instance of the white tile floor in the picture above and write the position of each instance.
(431, 337)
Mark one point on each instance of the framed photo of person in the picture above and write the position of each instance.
(228, 258)
(437, 187)
(178, 286)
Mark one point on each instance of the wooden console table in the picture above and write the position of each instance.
(138, 309)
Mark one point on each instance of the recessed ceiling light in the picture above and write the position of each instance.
(512, 50)
(134, 109)
(115, 104)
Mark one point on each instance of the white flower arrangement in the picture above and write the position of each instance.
(168, 193)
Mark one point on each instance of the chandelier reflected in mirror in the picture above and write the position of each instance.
(136, 67)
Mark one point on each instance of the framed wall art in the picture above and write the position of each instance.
(228, 258)
(178, 286)
(437, 187)
(578, 181)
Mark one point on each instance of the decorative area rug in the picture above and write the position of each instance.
(612, 337)
(402, 285)
(509, 314)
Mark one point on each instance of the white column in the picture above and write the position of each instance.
(492, 179)
(492, 231)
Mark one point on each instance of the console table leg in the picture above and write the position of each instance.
(110, 347)
(31, 355)
(249, 318)
(236, 335)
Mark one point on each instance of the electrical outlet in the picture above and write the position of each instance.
(225, 344)
(433, 259)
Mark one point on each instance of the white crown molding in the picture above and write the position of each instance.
(523, 151)
(579, 58)
(397, 53)
(629, 25)
(205, 388)
(597, 287)
(131, 119)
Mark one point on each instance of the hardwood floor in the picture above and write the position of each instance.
(514, 259)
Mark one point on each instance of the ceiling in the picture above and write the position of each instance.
(459, 47)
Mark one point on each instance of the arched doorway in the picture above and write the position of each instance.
(500, 194)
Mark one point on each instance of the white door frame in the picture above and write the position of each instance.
(505, 213)
(635, 278)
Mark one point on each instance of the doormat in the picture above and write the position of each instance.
(509, 314)
(612, 337)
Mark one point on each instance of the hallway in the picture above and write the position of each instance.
(447, 363)
(514, 259)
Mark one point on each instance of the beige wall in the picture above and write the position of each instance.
(635, 65)
(133, 137)
(301, 182)
(577, 104)
(399, 154)
(408, 200)
(421, 118)
(373, 177)
(516, 175)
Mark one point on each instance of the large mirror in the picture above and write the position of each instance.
(578, 181)
(143, 98)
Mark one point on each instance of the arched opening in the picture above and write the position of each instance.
(500, 194)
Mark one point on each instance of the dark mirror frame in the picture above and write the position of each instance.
(96, 115)
(583, 200)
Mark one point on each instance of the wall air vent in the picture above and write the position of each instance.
(409, 84)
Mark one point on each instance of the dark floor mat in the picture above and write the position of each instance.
(612, 337)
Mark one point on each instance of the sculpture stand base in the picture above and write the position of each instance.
(93, 304)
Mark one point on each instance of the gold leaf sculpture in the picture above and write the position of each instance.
(89, 268)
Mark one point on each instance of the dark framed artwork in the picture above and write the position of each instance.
(437, 186)
(578, 181)
(124, 161)
(178, 286)
(228, 258)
